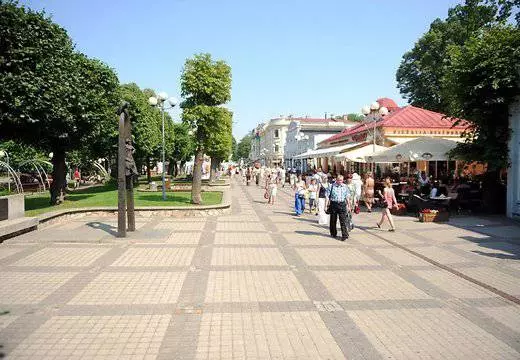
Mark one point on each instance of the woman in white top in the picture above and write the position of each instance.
(323, 187)
(299, 196)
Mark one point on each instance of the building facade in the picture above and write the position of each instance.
(304, 134)
(402, 124)
(267, 145)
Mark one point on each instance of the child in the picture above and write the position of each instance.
(313, 190)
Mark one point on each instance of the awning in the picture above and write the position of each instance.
(326, 152)
(423, 148)
(359, 154)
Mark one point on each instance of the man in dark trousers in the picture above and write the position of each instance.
(338, 205)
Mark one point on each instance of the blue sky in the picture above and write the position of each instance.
(296, 57)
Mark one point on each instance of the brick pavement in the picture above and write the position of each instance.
(259, 283)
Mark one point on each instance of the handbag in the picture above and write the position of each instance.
(357, 210)
(266, 195)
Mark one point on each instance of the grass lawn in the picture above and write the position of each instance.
(107, 196)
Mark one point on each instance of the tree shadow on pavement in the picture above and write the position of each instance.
(112, 230)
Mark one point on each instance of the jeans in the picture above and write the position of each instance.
(338, 209)
(299, 204)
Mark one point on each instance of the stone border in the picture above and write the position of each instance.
(224, 204)
(153, 210)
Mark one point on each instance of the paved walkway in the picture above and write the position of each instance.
(261, 284)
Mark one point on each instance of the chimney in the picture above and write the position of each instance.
(325, 114)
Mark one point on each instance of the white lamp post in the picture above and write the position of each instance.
(159, 102)
(377, 112)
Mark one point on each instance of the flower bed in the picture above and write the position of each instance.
(428, 215)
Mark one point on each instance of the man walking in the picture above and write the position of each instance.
(337, 203)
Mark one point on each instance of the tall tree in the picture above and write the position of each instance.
(49, 93)
(181, 146)
(482, 84)
(421, 72)
(467, 68)
(243, 148)
(205, 85)
(219, 141)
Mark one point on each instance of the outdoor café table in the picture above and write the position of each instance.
(441, 200)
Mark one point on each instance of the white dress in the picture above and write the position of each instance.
(323, 219)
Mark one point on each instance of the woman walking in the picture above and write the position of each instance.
(369, 191)
(323, 187)
(272, 189)
(389, 198)
(299, 196)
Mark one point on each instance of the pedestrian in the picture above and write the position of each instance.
(313, 192)
(273, 189)
(358, 184)
(77, 178)
(299, 196)
(337, 203)
(282, 176)
(389, 199)
(368, 191)
(293, 179)
(323, 187)
(249, 173)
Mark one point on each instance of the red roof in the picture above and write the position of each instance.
(388, 103)
(405, 117)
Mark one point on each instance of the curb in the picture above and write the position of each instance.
(225, 204)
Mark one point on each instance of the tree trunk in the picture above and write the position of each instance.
(213, 172)
(197, 178)
(148, 170)
(59, 177)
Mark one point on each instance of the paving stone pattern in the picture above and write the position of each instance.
(260, 283)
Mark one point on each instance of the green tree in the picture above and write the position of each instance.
(181, 146)
(467, 68)
(205, 84)
(355, 117)
(219, 141)
(421, 72)
(49, 93)
(482, 83)
(243, 148)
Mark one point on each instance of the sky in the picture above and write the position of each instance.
(288, 57)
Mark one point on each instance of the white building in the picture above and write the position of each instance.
(304, 134)
(513, 173)
(268, 141)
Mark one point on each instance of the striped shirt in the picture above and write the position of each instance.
(338, 193)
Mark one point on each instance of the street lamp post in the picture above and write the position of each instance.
(376, 112)
(5, 154)
(159, 102)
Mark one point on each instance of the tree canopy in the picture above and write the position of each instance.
(243, 148)
(205, 86)
(421, 72)
(466, 67)
(50, 94)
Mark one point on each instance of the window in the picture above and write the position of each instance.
(276, 147)
(277, 133)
